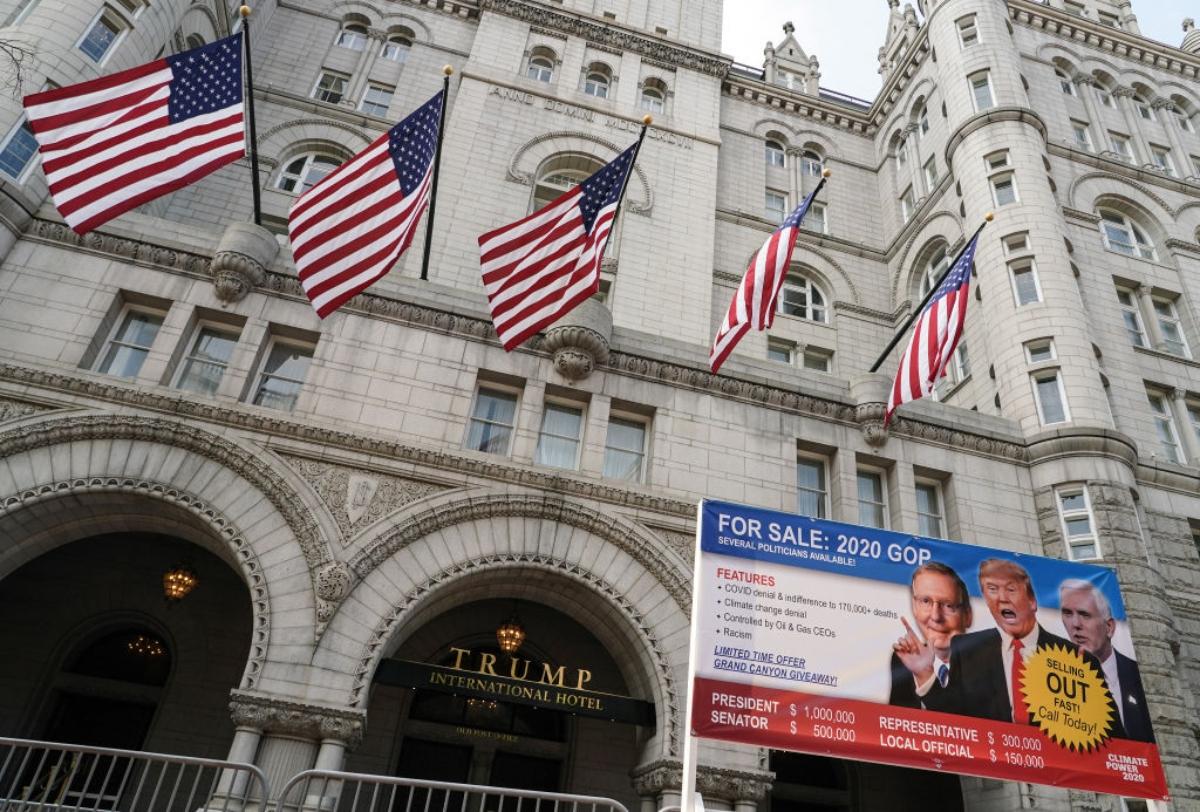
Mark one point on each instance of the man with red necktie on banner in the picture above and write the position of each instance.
(986, 666)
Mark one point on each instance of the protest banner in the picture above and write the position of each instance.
(868, 644)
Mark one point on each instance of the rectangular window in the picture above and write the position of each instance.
(929, 509)
(558, 440)
(1026, 288)
(1164, 424)
(1110, 20)
(331, 87)
(282, 375)
(1193, 413)
(781, 351)
(1004, 189)
(931, 173)
(207, 360)
(625, 449)
(130, 343)
(492, 419)
(1051, 402)
(376, 100)
(908, 204)
(134, 7)
(1131, 317)
(1072, 7)
(1185, 123)
(102, 36)
(812, 495)
(968, 34)
(997, 160)
(815, 219)
(776, 206)
(1016, 243)
(817, 359)
(1168, 325)
(981, 91)
(18, 150)
(872, 499)
(1120, 145)
(1083, 135)
(1075, 510)
(1161, 157)
(1040, 351)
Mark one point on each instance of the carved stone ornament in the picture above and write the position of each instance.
(355, 498)
(870, 394)
(579, 340)
(735, 786)
(241, 260)
(288, 717)
(333, 582)
(11, 408)
(651, 780)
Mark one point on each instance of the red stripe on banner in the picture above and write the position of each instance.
(905, 737)
(102, 83)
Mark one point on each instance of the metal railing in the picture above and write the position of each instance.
(39, 776)
(327, 791)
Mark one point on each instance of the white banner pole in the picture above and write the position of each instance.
(688, 801)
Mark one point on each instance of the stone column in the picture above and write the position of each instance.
(1149, 317)
(297, 736)
(1085, 86)
(1121, 97)
(1179, 152)
(1183, 423)
(741, 789)
(658, 784)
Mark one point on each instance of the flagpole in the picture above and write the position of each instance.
(245, 12)
(447, 71)
(647, 120)
(987, 218)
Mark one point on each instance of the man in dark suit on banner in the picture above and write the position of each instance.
(1087, 617)
(941, 607)
(986, 666)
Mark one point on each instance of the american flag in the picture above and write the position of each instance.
(349, 229)
(935, 335)
(753, 304)
(540, 267)
(114, 143)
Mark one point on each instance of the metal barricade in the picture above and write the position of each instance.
(328, 791)
(39, 776)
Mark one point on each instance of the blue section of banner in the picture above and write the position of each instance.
(877, 555)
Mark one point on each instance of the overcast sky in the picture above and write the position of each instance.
(846, 34)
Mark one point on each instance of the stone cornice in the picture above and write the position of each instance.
(610, 34)
(791, 101)
(992, 116)
(877, 315)
(272, 714)
(456, 8)
(1115, 166)
(1082, 442)
(1114, 40)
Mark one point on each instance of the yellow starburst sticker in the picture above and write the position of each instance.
(1067, 698)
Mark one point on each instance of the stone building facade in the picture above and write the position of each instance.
(390, 485)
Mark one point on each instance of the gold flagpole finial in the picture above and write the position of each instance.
(826, 172)
(990, 216)
(244, 11)
(447, 70)
(647, 119)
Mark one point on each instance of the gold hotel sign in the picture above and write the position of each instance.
(513, 679)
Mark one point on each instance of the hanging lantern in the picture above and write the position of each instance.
(178, 582)
(510, 635)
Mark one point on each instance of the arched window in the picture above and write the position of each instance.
(1124, 236)
(541, 64)
(654, 96)
(194, 41)
(597, 80)
(397, 46)
(922, 119)
(560, 175)
(936, 265)
(306, 171)
(352, 36)
(1142, 103)
(802, 298)
(1064, 82)
(774, 153)
(812, 163)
